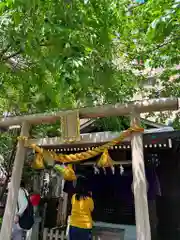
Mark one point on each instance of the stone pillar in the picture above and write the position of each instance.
(12, 198)
(139, 185)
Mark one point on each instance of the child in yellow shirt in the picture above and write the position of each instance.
(82, 207)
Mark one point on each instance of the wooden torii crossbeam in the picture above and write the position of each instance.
(118, 109)
(139, 181)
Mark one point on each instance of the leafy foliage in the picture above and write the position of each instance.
(66, 54)
(112, 124)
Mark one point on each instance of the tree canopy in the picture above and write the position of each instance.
(66, 53)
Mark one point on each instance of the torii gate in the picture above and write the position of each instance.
(134, 109)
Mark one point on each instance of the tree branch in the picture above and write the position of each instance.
(12, 55)
(165, 43)
(158, 46)
(4, 50)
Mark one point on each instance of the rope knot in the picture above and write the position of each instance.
(22, 138)
(136, 129)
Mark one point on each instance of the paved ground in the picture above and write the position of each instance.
(130, 231)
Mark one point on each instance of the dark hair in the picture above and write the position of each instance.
(22, 184)
(82, 188)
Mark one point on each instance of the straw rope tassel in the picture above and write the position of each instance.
(65, 158)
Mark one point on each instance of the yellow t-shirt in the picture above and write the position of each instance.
(81, 212)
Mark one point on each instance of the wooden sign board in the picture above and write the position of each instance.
(70, 126)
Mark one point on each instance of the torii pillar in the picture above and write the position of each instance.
(143, 231)
(8, 218)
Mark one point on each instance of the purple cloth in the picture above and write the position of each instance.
(118, 186)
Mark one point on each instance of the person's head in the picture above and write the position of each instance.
(82, 188)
